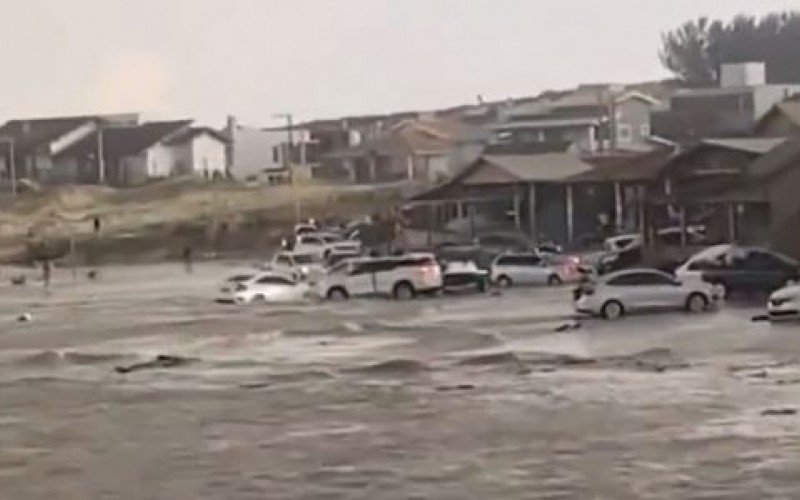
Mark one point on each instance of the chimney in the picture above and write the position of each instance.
(747, 74)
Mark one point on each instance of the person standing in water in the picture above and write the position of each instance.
(187, 259)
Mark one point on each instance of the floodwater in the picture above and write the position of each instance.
(448, 398)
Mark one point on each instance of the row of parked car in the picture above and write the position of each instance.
(331, 265)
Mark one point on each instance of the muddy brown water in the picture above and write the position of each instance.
(472, 397)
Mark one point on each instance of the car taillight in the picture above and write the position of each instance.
(430, 271)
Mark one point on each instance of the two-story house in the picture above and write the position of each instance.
(593, 118)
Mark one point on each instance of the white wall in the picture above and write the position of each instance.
(253, 149)
(160, 160)
(208, 154)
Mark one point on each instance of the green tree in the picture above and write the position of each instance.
(695, 50)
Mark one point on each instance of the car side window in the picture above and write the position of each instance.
(654, 279)
(273, 280)
(284, 260)
(310, 240)
(533, 260)
(760, 261)
(339, 268)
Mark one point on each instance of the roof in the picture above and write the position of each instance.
(504, 169)
(746, 144)
(783, 156)
(625, 168)
(192, 132)
(554, 121)
(789, 109)
(127, 141)
(30, 133)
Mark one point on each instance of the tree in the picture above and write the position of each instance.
(695, 51)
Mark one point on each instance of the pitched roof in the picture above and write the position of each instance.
(547, 167)
(127, 141)
(789, 109)
(625, 167)
(192, 132)
(28, 134)
(746, 144)
(783, 156)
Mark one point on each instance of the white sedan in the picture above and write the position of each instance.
(271, 287)
(621, 292)
(511, 269)
(784, 304)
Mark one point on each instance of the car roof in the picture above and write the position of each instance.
(635, 270)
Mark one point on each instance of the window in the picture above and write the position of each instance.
(239, 278)
(644, 129)
(760, 261)
(331, 239)
(305, 259)
(275, 155)
(641, 279)
(284, 260)
(308, 240)
(340, 268)
(273, 280)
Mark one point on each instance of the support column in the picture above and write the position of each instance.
(431, 222)
(532, 213)
(517, 219)
(683, 226)
(618, 215)
(373, 169)
(459, 209)
(570, 214)
(731, 223)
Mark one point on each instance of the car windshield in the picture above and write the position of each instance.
(303, 259)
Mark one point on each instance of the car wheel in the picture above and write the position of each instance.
(554, 280)
(696, 303)
(403, 291)
(612, 309)
(504, 282)
(337, 294)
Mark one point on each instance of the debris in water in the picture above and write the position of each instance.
(777, 412)
(161, 361)
(760, 317)
(25, 318)
(459, 387)
(255, 385)
(570, 325)
(18, 280)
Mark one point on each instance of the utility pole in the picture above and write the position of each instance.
(287, 161)
(101, 163)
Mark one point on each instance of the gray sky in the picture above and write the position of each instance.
(205, 59)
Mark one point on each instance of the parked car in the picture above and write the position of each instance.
(618, 293)
(401, 276)
(299, 265)
(459, 275)
(742, 269)
(529, 268)
(270, 286)
(569, 267)
(784, 304)
(323, 244)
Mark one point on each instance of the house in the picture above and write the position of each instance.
(34, 144)
(426, 150)
(717, 183)
(731, 110)
(781, 121)
(593, 117)
(266, 153)
(549, 192)
(133, 155)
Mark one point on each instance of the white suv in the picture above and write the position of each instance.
(323, 244)
(401, 277)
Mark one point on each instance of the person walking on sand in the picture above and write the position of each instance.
(187, 259)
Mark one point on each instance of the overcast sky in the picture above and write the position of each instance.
(205, 59)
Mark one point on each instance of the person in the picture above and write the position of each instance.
(46, 272)
(187, 259)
